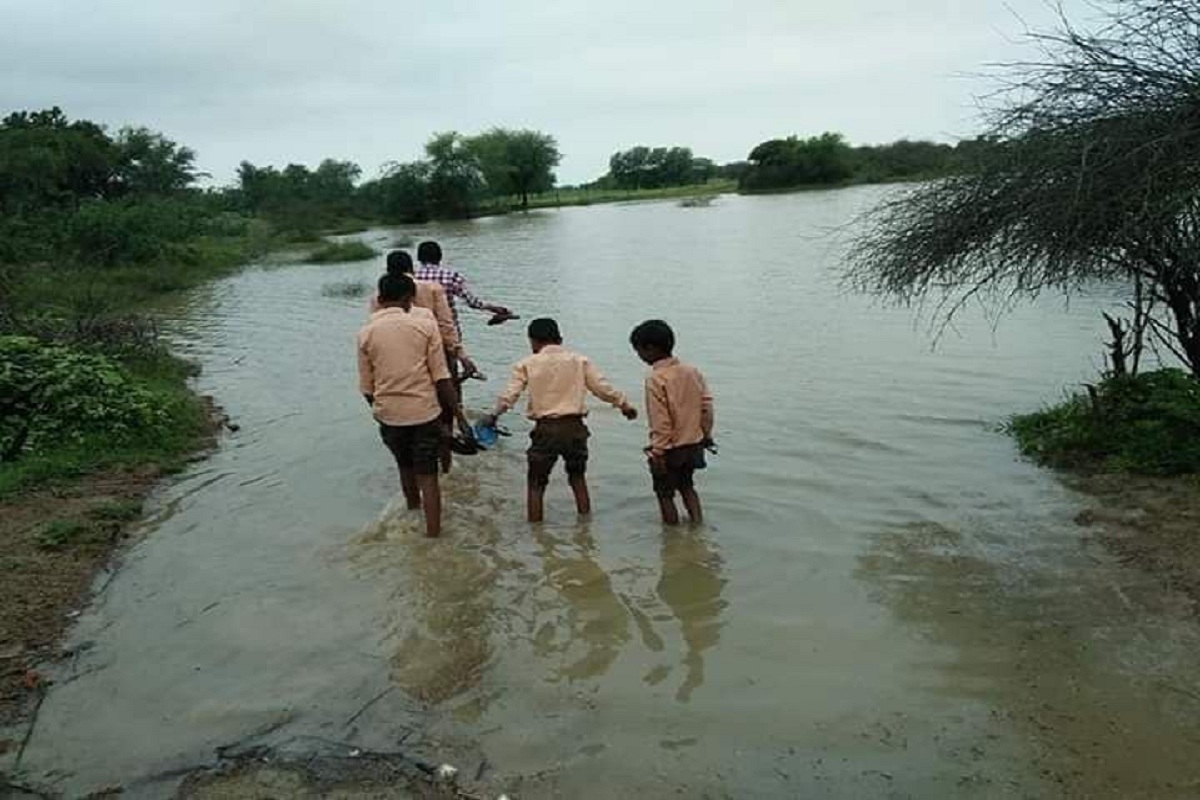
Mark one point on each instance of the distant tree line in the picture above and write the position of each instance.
(70, 190)
(457, 177)
(828, 160)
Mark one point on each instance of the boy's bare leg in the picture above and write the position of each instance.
(670, 514)
(583, 499)
(431, 497)
(691, 501)
(535, 500)
(408, 484)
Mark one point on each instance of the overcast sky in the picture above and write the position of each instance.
(368, 80)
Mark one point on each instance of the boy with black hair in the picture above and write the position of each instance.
(559, 382)
(679, 408)
(403, 376)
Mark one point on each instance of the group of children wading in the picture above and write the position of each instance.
(411, 364)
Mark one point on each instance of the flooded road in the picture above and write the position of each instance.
(886, 603)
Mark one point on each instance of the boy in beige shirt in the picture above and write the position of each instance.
(559, 382)
(402, 374)
(679, 408)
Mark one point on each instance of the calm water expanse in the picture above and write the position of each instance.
(887, 602)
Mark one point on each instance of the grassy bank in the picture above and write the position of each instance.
(1148, 424)
(340, 252)
(562, 198)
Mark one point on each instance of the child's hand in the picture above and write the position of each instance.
(629, 412)
(488, 421)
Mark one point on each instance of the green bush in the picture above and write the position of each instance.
(53, 395)
(1148, 423)
(133, 231)
(338, 252)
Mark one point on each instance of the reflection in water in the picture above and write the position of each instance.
(443, 609)
(594, 618)
(691, 585)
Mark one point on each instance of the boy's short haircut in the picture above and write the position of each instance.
(399, 262)
(545, 330)
(429, 252)
(654, 333)
(394, 288)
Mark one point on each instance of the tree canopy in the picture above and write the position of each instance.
(643, 167)
(516, 162)
(47, 160)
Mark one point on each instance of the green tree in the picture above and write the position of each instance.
(455, 179)
(642, 167)
(401, 194)
(786, 163)
(516, 162)
(1090, 174)
(46, 161)
(150, 163)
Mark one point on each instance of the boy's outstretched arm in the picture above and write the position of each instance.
(462, 289)
(598, 385)
(511, 394)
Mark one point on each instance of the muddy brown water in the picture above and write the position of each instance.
(886, 603)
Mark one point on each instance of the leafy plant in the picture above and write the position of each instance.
(1148, 423)
(51, 394)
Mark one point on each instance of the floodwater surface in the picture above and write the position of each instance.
(886, 601)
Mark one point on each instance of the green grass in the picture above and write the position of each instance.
(63, 532)
(1148, 424)
(340, 252)
(560, 198)
(117, 511)
(346, 227)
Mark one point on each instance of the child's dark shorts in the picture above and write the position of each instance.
(550, 439)
(679, 465)
(414, 447)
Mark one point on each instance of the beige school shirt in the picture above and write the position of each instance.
(433, 297)
(558, 381)
(679, 405)
(400, 359)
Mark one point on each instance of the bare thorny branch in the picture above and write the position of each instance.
(1092, 175)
